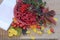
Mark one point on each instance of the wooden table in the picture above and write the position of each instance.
(53, 4)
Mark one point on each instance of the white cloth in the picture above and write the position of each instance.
(6, 13)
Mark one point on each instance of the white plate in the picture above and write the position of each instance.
(6, 13)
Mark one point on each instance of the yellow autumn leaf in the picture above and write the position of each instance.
(10, 34)
(55, 19)
(28, 32)
(49, 32)
(35, 30)
(15, 32)
(39, 32)
(42, 27)
(11, 30)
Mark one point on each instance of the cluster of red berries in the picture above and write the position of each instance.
(24, 15)
(28, 14)
(20, 25)
(33, 14)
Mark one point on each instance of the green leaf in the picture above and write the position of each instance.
(41, 22)
(33, 2)
(43, 4)
(19, 30)
(11, 27)
(39, 11)
(40, 1)
(27, 1)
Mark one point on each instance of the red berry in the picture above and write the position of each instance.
(52, 30)
(24, 27)
(17, 23)
(24, 7)
(21, 25)
(14, 25)
(38, 27)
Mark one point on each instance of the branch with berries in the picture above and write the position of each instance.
(32, 14)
